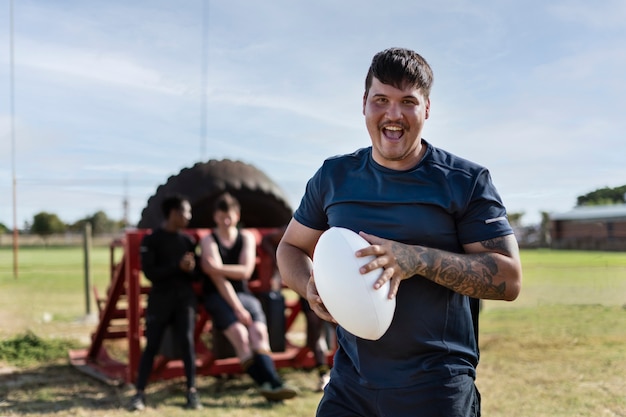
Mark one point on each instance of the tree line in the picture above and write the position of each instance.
(603, 196)
(45, 224)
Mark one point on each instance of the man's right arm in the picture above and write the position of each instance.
(294, 256)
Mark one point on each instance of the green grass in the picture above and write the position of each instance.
(48, 295)
(559, 350)
(28, 349)
(570, 277)
(553, 360)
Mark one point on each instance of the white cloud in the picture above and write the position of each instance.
(101, 67)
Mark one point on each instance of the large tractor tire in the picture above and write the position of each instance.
(263, 203)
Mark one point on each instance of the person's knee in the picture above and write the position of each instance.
(238, 336)
(259, 337)
(260, 328)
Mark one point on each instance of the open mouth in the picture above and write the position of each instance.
(393, 132)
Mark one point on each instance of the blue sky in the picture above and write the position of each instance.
(109, 95)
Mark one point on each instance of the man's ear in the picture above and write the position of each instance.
(364, 101)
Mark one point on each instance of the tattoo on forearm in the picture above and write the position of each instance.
(472, 277)
(469, 275)
(497, 245)
(406, 257)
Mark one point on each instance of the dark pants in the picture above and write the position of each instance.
(314, 327)
(179, 311)
(455, 397)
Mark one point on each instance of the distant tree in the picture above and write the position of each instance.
(100, 223)
(45, 224)
(603, 196)
(515, 219)
(77, 226)
(3, 228)
(544, 239)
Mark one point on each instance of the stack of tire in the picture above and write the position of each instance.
(263, 203)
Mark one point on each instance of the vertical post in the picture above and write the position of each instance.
(133, 295)
(12, 103)
(16, 235)
(87, 252)
(204, 78)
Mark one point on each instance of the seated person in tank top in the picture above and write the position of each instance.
(228, 259)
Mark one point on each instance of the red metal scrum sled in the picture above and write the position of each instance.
(121, 315)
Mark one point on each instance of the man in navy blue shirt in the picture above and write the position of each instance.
(438, 228)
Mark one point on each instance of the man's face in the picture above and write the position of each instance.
(183, 214)
(395, 119)
(226, 218)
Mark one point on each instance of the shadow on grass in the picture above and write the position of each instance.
(60, 389)
(54, 388)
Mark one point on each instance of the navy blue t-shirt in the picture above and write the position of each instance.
(443, 202)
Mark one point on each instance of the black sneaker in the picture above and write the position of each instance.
(279, 393)
(193, 402)
(137, 403)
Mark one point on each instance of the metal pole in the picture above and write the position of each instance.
(12, 104)
(87, 251)
(204, 79)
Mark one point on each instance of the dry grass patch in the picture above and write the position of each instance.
(558, 360)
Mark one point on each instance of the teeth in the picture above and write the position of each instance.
(393, 128)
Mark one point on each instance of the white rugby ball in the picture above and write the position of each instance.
(348, 295)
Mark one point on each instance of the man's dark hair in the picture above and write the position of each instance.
(173, 202)
(400, 67)
(226, 202)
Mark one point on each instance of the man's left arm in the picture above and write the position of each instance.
(489, 269)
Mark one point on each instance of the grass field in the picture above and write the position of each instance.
(48, 296)
(559, 350)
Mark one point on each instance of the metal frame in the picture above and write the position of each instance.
(122, 310)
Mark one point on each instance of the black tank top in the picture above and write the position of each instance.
(230, 256)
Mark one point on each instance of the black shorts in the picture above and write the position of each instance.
(223, 315)
(455, 397)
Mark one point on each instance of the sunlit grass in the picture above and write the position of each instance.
(553, 360)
